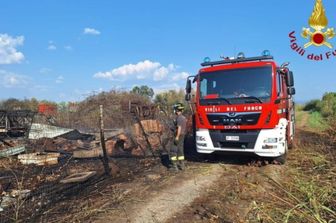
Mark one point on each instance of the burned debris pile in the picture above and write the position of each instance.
(15, 122)
(46, 163)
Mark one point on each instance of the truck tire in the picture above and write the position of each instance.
(194, 126)
(281, 159)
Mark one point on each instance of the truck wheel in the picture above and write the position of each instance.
(282, 159)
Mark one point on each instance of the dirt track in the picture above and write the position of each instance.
(222, 190)
(217, 189)
(163, 199)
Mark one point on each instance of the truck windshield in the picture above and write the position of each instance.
(236, 86)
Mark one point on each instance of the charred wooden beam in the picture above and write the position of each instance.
(16, 122)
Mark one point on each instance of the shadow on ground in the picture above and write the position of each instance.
(226, 158)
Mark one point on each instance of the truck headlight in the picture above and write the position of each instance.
(271, 140)
(200, 138)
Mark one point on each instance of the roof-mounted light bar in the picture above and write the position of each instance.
(238, 60)
(265, 55)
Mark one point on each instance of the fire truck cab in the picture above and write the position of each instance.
(244, 105)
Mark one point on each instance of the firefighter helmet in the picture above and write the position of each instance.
(178, 107)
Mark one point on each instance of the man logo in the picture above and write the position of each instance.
(232, 114)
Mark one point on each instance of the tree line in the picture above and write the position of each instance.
(164, 99)
(325, 106)
(83, 114)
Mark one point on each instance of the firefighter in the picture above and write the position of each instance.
(177, 151)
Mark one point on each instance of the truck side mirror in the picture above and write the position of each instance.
(290, 79)
(188, 86)
(291, 90)
(195, 78)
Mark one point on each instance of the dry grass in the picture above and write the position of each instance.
(307, 193)
(19, 199)
(86, 116)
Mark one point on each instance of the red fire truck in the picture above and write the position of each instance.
(244, 105)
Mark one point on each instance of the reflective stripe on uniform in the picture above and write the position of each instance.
(180, 157)
(174, 158)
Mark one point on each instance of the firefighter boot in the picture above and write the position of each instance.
(173, 167)
(181, 165)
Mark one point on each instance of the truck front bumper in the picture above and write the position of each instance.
(264, 142)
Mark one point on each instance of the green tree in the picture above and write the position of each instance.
(167, 99)
(33, 104)
(313, 105)
(143, 90)
(12, 104)
(16, 104)
(328, 105)
(62, 106)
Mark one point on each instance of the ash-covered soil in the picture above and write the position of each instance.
(211, 189)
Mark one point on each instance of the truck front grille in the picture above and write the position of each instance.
(241, 118)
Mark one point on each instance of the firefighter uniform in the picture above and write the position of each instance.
(177, 150)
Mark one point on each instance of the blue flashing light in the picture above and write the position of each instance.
(266, 53)
(240, 55)
(207, 60)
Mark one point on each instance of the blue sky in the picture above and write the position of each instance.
(64, 50)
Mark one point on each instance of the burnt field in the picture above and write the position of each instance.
(45, 163)
(212, 189)
(49, 200)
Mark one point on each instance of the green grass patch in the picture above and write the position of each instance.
(316, 121)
